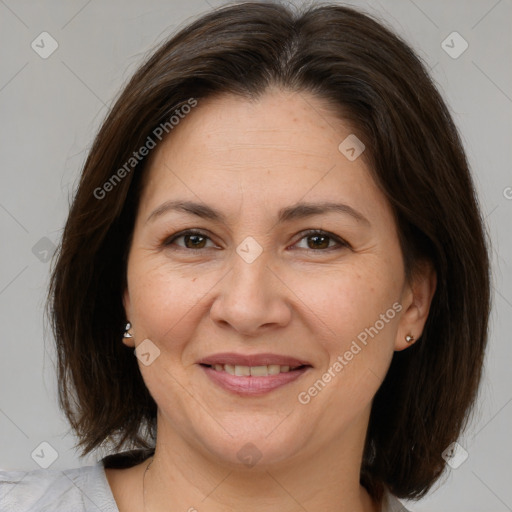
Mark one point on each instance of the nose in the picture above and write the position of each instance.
(252, 298)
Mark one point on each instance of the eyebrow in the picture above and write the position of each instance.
(296, 211)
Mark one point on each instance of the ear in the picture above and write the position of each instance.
(129, 342)
(416, 301)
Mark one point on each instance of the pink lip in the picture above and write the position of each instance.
(252, 360)
(251, 386)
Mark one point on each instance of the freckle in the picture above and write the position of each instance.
(194, 279)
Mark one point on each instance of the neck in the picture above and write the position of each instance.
(325, 478)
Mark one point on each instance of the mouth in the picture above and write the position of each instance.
(253, 371)
(252, 375)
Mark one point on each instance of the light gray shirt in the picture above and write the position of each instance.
(82, 489)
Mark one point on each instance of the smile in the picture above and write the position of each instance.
(253, 371)
(250, 381)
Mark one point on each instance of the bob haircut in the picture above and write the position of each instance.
(372, 80)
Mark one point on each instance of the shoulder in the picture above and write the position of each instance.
(80, 489)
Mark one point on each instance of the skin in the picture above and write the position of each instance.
(248, 160)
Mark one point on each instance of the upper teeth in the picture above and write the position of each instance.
(255, 371)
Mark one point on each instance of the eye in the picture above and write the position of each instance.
(321, 240)
(193, 240)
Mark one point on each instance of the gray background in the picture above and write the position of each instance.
(51, 109)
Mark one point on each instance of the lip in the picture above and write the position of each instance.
(252, 386)
(252, 360)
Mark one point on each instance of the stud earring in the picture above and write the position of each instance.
(409, 338)
(127, 333)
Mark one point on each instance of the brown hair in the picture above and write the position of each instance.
(375, 82)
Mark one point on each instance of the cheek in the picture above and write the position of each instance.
(169, 302)
(359, 313)
(160, 297)
(165, 306)
(360, 310)
(349, 299)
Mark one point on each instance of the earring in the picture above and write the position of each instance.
(409, 338)
(127, 331)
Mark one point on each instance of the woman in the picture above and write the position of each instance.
(277, 219)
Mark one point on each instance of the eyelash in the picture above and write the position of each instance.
(341, 243)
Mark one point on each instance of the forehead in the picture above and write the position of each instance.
(280, 147)
(278, 120)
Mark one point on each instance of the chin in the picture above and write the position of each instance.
(262, 449)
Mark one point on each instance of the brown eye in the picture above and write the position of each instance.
(320, 241)
(317, 241)
(196, 241)
(191, 240)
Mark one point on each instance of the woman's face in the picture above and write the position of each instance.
(255, 290)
